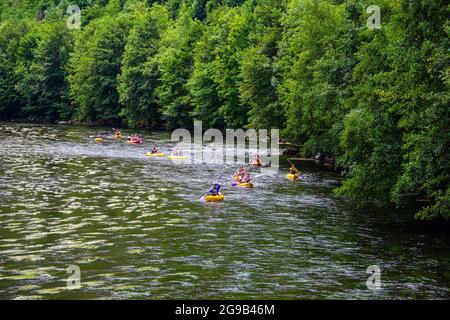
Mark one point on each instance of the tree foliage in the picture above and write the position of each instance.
(95, 66)
(140, 75)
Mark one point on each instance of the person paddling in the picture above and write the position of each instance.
(135, 139)
(117, 133)
(241, 170)
(154, 150)
(215, 189)
(257, 160)
(245, 178)
(293, 170)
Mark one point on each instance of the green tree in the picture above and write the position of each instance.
(203, 91)
(95, 66)
(11, 33)
(419, 44)
(218, 58)
(370, 139)
(311, 32)
(259, 77)
(175, 63)
(140, 75)
(40, 69)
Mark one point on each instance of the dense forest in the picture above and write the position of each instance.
(375, 99)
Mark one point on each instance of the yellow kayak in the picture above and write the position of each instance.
(256, 164)
(177, 157)
(217, 198)
(245, 185)
(99, 139)
(291, 176)
(117, 137)
(155, 154)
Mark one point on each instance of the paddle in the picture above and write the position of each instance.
(261, 174)
(267, 165)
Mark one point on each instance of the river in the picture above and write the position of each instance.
(136, 228)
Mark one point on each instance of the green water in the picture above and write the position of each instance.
(137, 230)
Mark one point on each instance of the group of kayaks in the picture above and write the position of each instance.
(175, 154)
(137, 140)
(100, 137)
(241, 178)
(134, 139)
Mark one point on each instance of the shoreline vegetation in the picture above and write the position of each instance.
(371, 101)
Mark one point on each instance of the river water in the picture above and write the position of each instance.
(136, 229)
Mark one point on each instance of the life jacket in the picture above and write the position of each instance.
(215, 189)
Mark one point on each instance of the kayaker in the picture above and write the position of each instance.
(117, 133)
(293, 170)
(257, 160)
(245, 178)
(154, 150)
(215, 189)
(239, 171)
(135, 139)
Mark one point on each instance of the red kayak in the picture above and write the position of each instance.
(135, 141)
